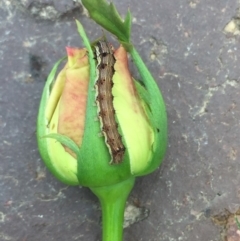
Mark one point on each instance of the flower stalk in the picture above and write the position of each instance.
(113, 200)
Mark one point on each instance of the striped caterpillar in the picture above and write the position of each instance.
(105, 70)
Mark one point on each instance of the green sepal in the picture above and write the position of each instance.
(87, 44)
(42, 124)
(52, 74)
(127, 45)
(142, 92)
(158, 112)
(106, 15)
(64, 140)
(93, 159)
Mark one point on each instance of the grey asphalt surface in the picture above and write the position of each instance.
(195, 61)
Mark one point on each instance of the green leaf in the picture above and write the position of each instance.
(106, 15)
(64, 140)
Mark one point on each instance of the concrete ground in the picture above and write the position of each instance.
(193, 50)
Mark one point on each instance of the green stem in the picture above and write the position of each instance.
(113, 199)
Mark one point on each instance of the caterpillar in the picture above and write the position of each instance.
(105, 70)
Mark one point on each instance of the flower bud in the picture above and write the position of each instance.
(74, 122)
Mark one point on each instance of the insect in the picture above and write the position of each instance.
(104, 98)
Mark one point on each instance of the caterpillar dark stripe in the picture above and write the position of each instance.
(104, 98)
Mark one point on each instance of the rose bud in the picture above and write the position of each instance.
(65, 110)
(97, 128)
